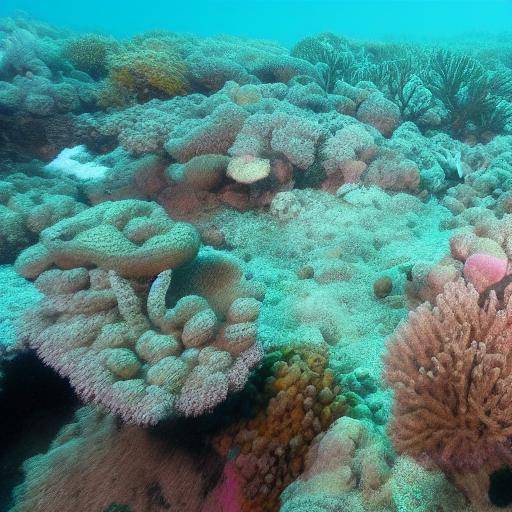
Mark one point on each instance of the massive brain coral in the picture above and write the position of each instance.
(105, 322)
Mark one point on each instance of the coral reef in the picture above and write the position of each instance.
(221, 233)
(268, 451)
(28, 205)
(450, 369)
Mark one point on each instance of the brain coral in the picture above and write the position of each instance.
(134, 238)
(121, 346)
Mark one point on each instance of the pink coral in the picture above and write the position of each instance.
(451, 370)
(379, 112)
(484, 270)
(121, 346)
(227, 495)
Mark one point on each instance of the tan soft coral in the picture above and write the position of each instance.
(121, 346)
(269, 449)
(134, 238)
(94, 462)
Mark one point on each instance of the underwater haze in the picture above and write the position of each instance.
(280, 20)
(255, 256)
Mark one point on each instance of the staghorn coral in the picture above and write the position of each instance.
(450, 367)
(121, 346)
(268, 450)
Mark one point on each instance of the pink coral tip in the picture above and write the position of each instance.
(484, 270)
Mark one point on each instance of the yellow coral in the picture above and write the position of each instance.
(153, 70)
(302, 400)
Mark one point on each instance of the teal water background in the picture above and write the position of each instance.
(283, 21)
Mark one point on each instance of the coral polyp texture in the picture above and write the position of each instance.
(133, 238)
(268, 451)
(450, 368)
(108, 327)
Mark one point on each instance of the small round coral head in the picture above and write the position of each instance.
(248, 169)
(483, 270)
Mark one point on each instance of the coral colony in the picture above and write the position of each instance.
(269, 279)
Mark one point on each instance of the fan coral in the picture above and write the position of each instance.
(451, 369)
(332, 53)
(147, 363)
(269, 449)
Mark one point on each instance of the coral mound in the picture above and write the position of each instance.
(133, 238)
(143, 363)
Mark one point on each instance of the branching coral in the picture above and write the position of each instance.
(451, 369)
(466, 90)
(332, 53)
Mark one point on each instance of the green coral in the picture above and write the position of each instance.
(89, 53)
(152, 69)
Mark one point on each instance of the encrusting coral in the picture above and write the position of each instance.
(108, 328)
(451, 370)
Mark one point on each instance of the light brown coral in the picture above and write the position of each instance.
(134, 238)
(121, 346)
(451, 369)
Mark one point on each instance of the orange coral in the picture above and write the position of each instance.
(303, 400)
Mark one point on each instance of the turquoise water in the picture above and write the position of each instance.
(255, 256)
(279, 20)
